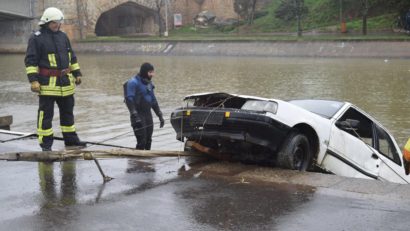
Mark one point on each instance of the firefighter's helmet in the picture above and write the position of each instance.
(51, 14)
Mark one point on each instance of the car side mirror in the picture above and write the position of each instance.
(348, 124)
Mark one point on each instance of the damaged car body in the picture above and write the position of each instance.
(320, 135)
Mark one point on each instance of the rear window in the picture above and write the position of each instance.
(324, 108)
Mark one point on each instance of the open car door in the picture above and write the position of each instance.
(350, 152)
(391, 167)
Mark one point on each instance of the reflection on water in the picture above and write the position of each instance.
(51, 214)
(233, 206)
(378, 86)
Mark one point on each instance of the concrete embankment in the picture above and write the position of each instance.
(365, 49)
(332, 183)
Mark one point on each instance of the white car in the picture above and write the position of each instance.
(324, 135)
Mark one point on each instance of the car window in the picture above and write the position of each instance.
(363, 130)
(324, 108)
(371, 134)
(385, 145)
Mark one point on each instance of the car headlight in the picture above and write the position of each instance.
(258, 105)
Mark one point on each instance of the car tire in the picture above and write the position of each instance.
(295, 152)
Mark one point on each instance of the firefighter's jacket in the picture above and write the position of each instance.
(52, 51)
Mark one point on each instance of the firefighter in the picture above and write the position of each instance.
(53, 72)
(140, 98)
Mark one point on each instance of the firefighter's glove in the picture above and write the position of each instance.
(161, 121)
(35, 86)
(77, 80)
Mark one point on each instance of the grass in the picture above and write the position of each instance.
(321, 23)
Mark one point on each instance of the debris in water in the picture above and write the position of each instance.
(196, 175)
(186, 167)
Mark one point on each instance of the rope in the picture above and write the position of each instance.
(122, 134)
(219, 104)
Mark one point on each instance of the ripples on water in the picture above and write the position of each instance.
(380, 87)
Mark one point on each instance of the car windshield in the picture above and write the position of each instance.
(324, 108)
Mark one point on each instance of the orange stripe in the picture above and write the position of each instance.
(406, 151)
(406, 155)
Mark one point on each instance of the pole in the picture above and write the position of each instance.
(166, 18)
(341, 11)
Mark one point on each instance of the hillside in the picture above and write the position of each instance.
(324, 15)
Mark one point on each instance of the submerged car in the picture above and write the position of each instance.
(321, 135)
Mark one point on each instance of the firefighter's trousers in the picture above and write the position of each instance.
(45, 118)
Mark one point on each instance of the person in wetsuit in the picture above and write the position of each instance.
(140, 99)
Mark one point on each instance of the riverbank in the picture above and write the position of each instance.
(357, 49)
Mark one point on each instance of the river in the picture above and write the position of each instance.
(378, 86)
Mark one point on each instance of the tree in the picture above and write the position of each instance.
(159, 4)
(289, 10)
(365, 8)
(245, 9)
(365, 11)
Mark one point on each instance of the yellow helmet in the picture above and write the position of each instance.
(51, 14)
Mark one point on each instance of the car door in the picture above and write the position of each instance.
(350, 151)
(391, 167)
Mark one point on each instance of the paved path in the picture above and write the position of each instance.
(372, 49)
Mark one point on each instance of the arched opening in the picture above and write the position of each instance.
(126, 19)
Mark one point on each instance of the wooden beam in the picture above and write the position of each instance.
(5, 122)
(64, 155)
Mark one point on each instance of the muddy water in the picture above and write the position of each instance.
(156, 194)
(380, 87)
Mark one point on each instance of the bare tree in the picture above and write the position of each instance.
(159, 4)
(290, 10)
(252, 12)
(245, 9)
(365, 11)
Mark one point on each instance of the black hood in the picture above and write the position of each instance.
(145, 68)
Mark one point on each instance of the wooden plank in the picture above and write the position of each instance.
(89, 155)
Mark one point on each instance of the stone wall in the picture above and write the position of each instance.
(222, 9)
(95, 8)
(81, 16)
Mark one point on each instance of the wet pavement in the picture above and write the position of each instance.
(190, 194)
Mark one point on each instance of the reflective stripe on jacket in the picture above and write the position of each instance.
(51, 50)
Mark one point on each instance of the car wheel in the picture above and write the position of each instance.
(295, 152)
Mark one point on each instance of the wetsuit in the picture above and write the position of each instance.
(140, 98)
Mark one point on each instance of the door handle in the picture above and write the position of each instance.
(374, 156)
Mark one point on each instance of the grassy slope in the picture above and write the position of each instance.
(324, 16)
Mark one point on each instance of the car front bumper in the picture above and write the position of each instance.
(229, 125)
